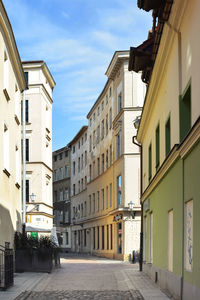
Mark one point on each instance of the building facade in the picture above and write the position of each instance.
(169, 133)
(38, 117)
(107, 227)
(79, 178)
(61, 196)
(12, 85)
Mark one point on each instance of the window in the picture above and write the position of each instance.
(73, 149)
(66, 171)
(85, 181)
(90, 145)
(106, 99)
(66, 196)
(93, 116)
(110, 117)
(90, 172)
(98, 111)
(97, 237)
(98, 134)
(106, 124)
(82, 141)
(27, 190)
(102, 237)
(67, 235)
(107, 237)
(90, 204)
(94, 238)
(102, 162)
(55, 196)
(157, 146)
(94, 169)
(55, 175)
(85, 158)
(119, 191)
(98, 201)
(188, 238)
(150, 162)
(74, 167)
(17, 165)
(79, 144)
(185, 113)
(151, 237)
(85, 204)
(79, 164)
(94, 203)
(81, 161)
(167, 137)
(60, 156)
(170, 240)
(102, 105)
(111, 242)
(74, 189)
(102, 129)
(26, 76)
(17, 102)
(119, 102)
(110, 155)
(107, 159)
(110, 92)
(61, 195)
(98, 166)
(6, 149)
(79, 186)
(82, 184)
(55, 157)
(94, 138)
(110, 194)
(27, 111)
(107, 197)
(85, 238)
(85, 137)
(102, 198)
(66, 153)
(118, 145)
(27, 149)
(61, 173)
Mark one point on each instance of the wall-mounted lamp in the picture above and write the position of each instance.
(131, 205)
(136, 122)
(32, 197)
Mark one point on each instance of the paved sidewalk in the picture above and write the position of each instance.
(86, 278)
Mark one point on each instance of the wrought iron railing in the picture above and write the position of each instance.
(6, 267)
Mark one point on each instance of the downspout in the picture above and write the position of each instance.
(141, 226)
(24, 163)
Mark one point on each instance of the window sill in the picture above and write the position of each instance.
(6, 172)
(6, 94)
(17, 120)
(17, 185)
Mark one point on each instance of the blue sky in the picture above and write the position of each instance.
(77, 39)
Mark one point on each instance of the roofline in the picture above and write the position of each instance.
(12, 46)
(78, 135)
(44, 67)
(113, 61)
(61, 149)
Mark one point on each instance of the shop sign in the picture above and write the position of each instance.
(34, 235)
(117, 217)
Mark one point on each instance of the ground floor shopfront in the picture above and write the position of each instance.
(114, 236)
(171, 223)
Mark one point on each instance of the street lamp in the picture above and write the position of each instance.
(32, 197)
(131, 205)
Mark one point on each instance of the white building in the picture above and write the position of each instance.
(38, 115)
(12, 84)
(107, 226)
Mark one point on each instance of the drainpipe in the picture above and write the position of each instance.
(24, 164)
(141, 228)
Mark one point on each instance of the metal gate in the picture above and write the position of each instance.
(6, 267)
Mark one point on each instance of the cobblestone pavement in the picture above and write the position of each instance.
(86, 278)
(82, 295)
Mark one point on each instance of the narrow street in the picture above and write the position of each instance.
(86, 277)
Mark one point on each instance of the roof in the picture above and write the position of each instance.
(78, 135)
(61, 150)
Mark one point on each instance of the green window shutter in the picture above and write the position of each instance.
(185, 113)
(150, 162)
(157, 146)
(167, 137)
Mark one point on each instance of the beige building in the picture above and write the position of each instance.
(79, 177)
(107, 226)
(38, 116)
(12, 85)
(61, 196)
